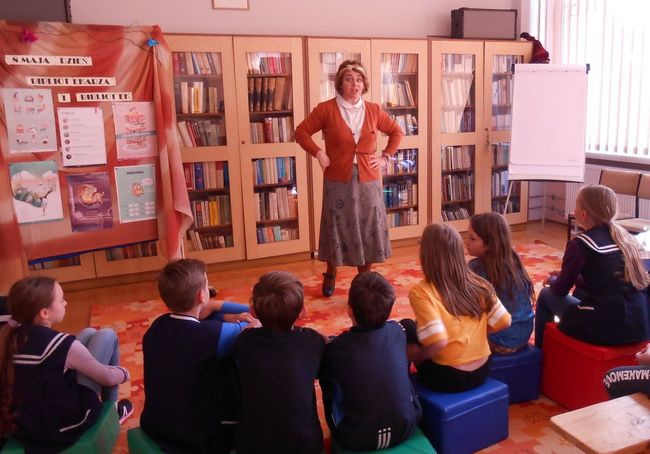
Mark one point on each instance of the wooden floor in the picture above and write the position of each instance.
(80, 301)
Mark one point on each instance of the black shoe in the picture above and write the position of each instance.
(124, 409)
(329, 283)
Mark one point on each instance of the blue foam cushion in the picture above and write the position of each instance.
(521, 371)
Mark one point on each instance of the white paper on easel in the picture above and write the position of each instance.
(549, 114)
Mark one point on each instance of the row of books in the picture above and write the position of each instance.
(202, 133)
(455, 214)
(500, 183)
(513, 206)
(272, 130)
(399, 194)
(457, 63)
(455, 121)
(196, 98)
(196, 63)
(502, 64)
(132, 251)
(404, 161)
(456, 157)
(330, 61)
(397, 94)
(268, 62)
(502, 119)
(457, 187)
(206, 175)
(457, 91)
(274, 170)
(274, 234)
(402, 218)
(500, 154)
(408, 123)
(208, 240)
(267, 94)
(58, 263)
(399, 63)
(274, 205)
(212, 212)
(502, 91)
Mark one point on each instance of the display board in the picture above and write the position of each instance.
(549, 115)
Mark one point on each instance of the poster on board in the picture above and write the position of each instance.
(136, 192)
(91, 206)
(82, 136)
(36, 191)
(30, 120)
(135, 130)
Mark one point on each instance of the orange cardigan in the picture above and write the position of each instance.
(339, 142)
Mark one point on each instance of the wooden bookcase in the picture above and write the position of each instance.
(400, 86)
(204, 90)
(323, 59)
(270, 104)
(471, 87)
(73, 268)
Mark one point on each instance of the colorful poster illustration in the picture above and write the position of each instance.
(36, 191)
(136, 192)
(135, 130)
(82, 136)
(30, 120)
(91, 207)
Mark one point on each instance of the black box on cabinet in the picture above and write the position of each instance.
(484, 23)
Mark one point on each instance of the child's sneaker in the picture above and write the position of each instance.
(124, 409)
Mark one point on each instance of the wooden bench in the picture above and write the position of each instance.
(615, 426)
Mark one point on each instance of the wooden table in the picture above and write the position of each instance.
(619, 425)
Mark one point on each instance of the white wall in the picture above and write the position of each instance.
(363, 18)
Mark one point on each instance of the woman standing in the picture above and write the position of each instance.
(353, 229)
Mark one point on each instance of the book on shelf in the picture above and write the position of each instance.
(278, 94)
(455, 214)
(257, 95)
(263, 93)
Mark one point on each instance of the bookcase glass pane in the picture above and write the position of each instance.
(500, 158)
(400, 188)
(270, 97)
(502, 66)
(276, 199)
(329, 62)
(399, 89)
(457, 191)
(208, 186)
(458, 93)
(198, 94)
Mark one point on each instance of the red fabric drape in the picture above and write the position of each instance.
(140, 67)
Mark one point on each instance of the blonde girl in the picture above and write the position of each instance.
(605, 266)
(455, 309)
(488, 239)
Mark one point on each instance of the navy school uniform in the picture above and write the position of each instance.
(52, 409)
(183, 405)
(277, 372)
(369, 400)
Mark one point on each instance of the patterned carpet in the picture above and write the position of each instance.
(529, 428)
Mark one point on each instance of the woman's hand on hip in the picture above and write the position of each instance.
(378, 162)
(323, 160)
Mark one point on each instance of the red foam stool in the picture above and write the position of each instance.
(573, 370)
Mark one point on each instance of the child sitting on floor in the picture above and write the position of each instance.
(51, 382)
(278, 364)
(369, 400)
(455, 309)
(488, 239)
(186, 368)
(610, 304)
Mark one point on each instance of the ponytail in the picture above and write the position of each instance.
(8, 347)
(635, 271)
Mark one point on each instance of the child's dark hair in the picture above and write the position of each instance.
(179, 282)
(25, 300)
(502, 264)
(278, 299)
(371, 298)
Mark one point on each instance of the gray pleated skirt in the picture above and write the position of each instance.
(353, 228)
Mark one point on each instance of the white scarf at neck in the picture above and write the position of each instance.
(353, 115)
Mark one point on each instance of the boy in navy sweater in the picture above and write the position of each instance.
(278, 364)
(184, 380)
(369, 401)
